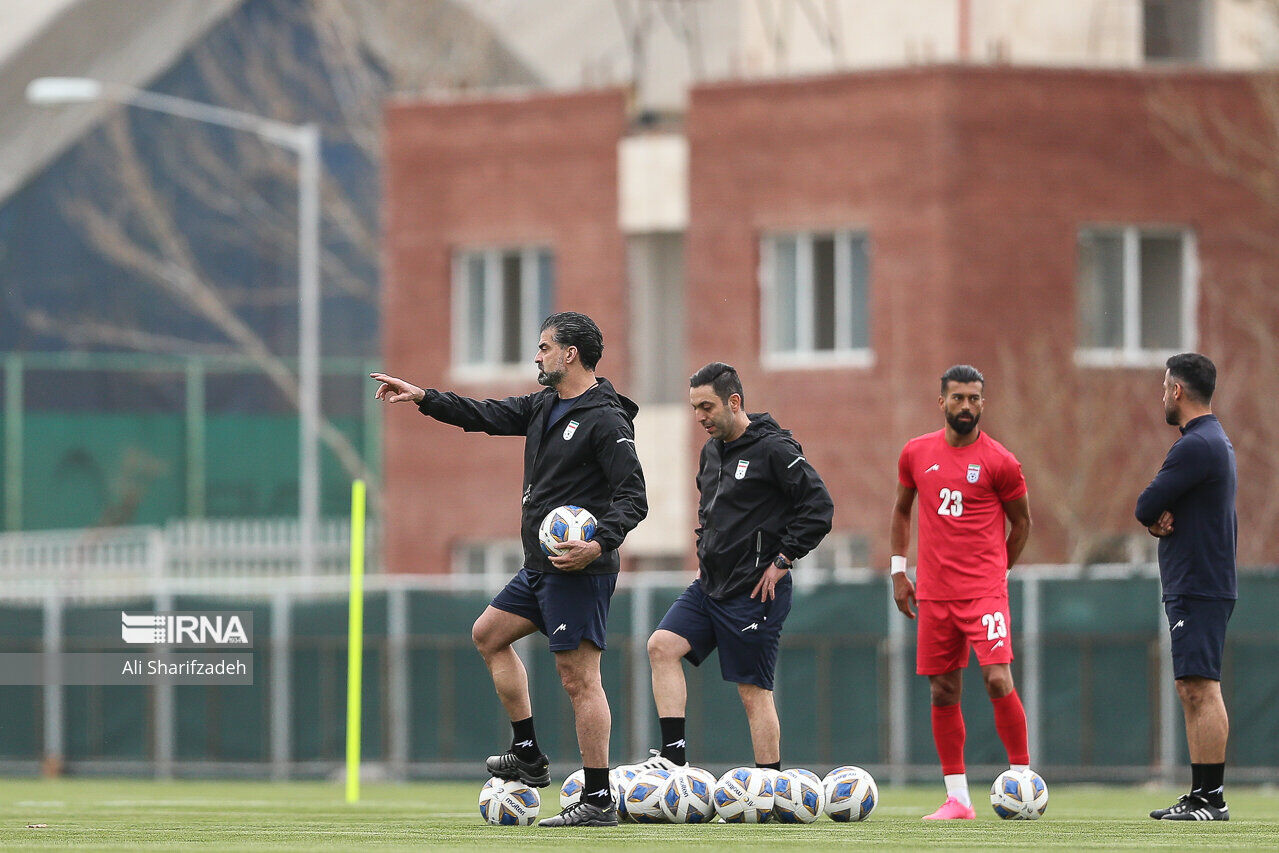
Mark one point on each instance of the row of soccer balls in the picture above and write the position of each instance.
(743, 795)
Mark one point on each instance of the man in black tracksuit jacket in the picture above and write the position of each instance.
(579, 451)
(1190, 507)
(762, 507)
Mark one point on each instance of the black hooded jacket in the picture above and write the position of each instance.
(587, 458)
(759, 498)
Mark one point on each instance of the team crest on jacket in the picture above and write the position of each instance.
(974, 471)
(570, 429)
(741, 468)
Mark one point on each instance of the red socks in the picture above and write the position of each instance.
(1010, 722)
(948, 734)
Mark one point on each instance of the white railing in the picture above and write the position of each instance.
(106, 562)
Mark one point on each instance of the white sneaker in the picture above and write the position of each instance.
(657, 761)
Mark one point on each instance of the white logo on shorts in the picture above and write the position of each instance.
(561, 628)
(1181, 623)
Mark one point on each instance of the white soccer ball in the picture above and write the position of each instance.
(851, 794)
(644, 796)
(571, 790)
(798, 796)
(1019, 795)
(619, 779)
(744, 795)
(562, 524)
(687, 796)
(509, 803)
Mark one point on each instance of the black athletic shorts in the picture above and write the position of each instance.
(567, 608)
(746, 631)
(1198, 630)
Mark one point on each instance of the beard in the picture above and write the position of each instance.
(963, 426)
(551, 378)
(1172, 416)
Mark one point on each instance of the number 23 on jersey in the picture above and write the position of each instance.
(952, 503)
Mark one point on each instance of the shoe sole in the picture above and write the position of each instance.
(541, 781)
(588, 823)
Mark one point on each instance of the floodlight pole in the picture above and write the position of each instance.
(305, 140)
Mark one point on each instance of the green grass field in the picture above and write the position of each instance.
(119, 814)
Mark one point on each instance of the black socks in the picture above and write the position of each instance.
(776, 765)
(673, 746)
(1208, 781)
(524, 742)
(595, 787)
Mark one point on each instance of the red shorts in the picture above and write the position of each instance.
(948, 628)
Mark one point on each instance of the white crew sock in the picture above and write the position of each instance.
(1018, 766)
(957, 787)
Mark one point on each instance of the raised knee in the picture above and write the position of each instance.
(660, 648)
(483, 640)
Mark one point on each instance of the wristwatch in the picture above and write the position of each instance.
(781, 562)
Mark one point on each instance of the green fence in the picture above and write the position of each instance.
(67, 465)
(1094, 696)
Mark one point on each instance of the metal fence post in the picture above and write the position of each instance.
(1168, 705)
(641, 677)
(52, 692)
(397, 681)
(1032, 662)
(195, 438)
(898, 694)
(281, 690)
(165, 734)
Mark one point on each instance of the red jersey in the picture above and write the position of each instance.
(963, 549)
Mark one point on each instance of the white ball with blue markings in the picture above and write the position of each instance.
(851, 794)
(1019, 795)
(744, 795)
(509, 803)
(798, 796)
(619, 779)
(687, 796)
(571, 790)
(562, 524)
(644, 796)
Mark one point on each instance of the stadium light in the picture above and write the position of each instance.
(304, 139)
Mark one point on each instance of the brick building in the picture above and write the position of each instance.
(841, 240)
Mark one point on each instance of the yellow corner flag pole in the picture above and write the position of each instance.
(355, 644)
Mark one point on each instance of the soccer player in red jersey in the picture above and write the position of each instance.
(967, 484)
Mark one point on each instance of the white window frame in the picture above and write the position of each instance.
(804, 355)
(1131, 353)
(492, 368)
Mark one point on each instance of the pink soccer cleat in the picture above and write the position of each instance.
(952, 809)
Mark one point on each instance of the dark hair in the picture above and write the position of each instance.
(722, 378)
(577, 330)
(962, 373)
(1196, 373)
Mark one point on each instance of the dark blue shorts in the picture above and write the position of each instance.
(1198, 630)
(745, 630)
(567, 608)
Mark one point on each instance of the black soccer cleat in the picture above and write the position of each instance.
(583, 814)
(508, 765)
(1192, 807)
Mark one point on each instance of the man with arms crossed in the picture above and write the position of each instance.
(967, 484)
(761, 507)
(1190, 506)
(579, 450)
